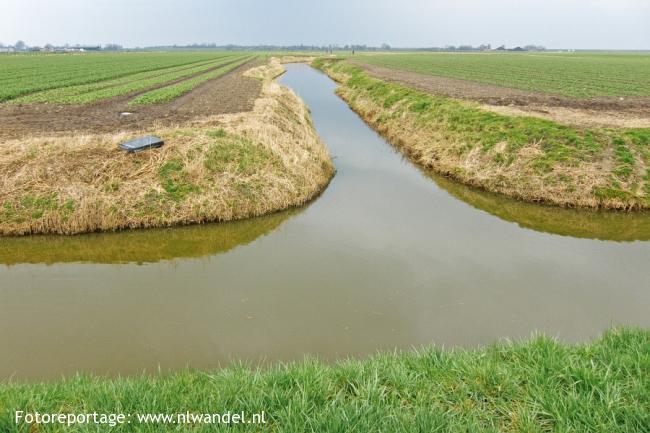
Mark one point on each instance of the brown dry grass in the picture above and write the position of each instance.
(576, 116)
(218, 168)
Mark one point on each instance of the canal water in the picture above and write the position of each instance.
(388, 257)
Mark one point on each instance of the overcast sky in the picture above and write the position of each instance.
(598, 24)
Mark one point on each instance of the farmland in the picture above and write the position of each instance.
(168, 93)
(580, 75)
(211, 168)
(88, 78)
(56, 93)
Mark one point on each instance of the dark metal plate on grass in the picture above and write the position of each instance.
(142, 143)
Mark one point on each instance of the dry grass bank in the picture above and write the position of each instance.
(580, 117)
(526, 158)
(297, 59)
(219, 168)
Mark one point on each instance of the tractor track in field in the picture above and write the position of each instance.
(229, 93)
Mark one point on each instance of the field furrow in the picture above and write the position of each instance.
(28, 74)
(120, 87)
(54, 95)
(168, 93)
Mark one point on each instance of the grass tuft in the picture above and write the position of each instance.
(173, 179)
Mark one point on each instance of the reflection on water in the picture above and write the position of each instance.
(153, 245)
(384, 259)
(610, 226)
(140, 246)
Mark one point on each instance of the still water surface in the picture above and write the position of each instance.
(388, 257)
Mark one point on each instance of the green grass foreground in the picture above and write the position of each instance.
(540, 385)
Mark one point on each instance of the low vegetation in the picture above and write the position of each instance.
(539, 385)
(218, 168)
(582, 75)
(97, 91)
(522, 157)
(169, 93)
(25, 74)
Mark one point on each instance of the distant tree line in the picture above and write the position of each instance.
(21, 46)
(336, 47)
(483, 47)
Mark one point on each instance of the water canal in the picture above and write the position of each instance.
(388, 257)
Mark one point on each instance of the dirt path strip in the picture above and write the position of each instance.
(230, 93)
(630, 112)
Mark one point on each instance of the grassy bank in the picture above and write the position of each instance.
(539, 385)
(522, 157)
(218, 168)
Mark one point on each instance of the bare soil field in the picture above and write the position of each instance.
(631, 112)
(230, 93)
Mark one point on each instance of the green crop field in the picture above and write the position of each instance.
(582, 75)
(173, 91)
(82, 78)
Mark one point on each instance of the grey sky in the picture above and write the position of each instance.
(599, 24)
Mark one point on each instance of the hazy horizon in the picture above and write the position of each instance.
(577, 24)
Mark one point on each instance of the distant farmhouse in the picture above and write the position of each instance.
(526, 48)
(87, 48)
(69, 49)
(49, 48)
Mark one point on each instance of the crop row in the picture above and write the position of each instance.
(21, 75)
(54, 94)
(122, 86)
(575, 75)
(169, 93)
